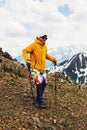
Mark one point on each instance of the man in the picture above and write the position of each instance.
(37, 62)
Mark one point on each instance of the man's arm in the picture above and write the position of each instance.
(51, 58)
(26, 51)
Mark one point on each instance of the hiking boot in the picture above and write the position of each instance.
(42, 106)
(44, 103)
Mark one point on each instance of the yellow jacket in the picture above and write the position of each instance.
(38, 55)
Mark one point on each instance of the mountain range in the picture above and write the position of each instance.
(66, 52)
(61, 53)
(75, 68)
(72, 62)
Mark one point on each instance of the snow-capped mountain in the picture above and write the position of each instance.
(61, 53)
(66, 52)
(75, 68)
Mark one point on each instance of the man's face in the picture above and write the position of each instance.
(44, 40)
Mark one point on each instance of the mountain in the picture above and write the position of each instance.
(66, 52)
(61, 53)
(10, 65)
(20, 59)
(75, 68)
(66, 103)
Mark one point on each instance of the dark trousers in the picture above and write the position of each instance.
(40, 90)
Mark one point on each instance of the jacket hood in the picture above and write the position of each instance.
(37, 40)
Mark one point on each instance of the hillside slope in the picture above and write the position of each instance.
(18, 111)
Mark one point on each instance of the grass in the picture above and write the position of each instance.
(17, 110)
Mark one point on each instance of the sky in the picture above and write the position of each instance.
(21, 21)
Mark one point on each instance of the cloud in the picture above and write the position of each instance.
(21, 21)
(39, 0)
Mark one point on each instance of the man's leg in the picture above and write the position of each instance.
(40, 91)
(43, 89)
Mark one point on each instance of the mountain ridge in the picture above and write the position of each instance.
(75, 68)
(62, 53)
(78, 67)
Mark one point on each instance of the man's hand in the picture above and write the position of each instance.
(55, 62)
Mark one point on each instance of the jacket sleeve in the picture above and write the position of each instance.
(26, 51)
(51, 58)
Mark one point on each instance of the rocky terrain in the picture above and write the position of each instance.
(65, 100)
